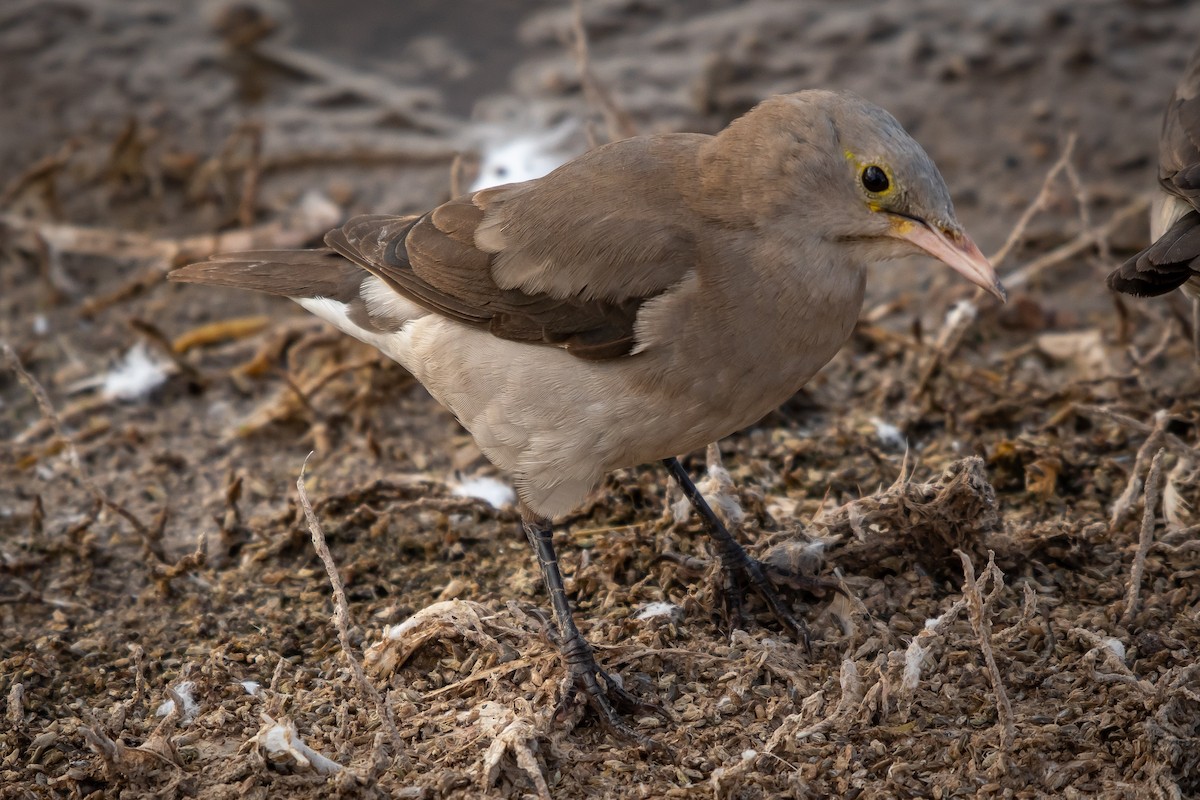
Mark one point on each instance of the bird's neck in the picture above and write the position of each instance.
(798, 320)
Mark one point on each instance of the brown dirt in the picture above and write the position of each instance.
(175, 550)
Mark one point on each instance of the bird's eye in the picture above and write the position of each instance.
(875, 180)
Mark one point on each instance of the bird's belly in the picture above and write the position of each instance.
(558, 423)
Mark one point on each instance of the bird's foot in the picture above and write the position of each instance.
(738, 578)
(744, 573)
(603, 694)
(741, 570)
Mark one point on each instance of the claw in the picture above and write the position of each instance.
(602, 692)
(599, 689)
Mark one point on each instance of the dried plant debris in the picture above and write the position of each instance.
(1001, 501)
(280, 746)
(913, 522)
(457, 618)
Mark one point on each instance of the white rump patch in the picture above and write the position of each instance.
(384, 303)
(392, 345)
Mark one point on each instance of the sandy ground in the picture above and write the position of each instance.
(166, 625)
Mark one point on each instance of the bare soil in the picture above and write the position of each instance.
(1007, 494)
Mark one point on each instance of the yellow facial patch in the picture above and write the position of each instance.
(860, 165)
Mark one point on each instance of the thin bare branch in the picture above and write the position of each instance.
(341, 619)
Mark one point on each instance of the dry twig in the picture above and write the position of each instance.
(1110, 651)
(41, 173)
(251, 177)
(1083, 200)
(1083, 241)
(616, 119)
(48, 412)
(400, 100)
(341, 619)
(517, 736)
(982, 623)
(1038, 204)
(958, 320)
(1124, 504)
(1169, 440)
(1145, 538)
(314, 215)
(852, 695)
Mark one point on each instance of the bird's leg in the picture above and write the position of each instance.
(600, 690)
(740, 568)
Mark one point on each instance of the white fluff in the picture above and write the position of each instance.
(658, 608)
(913, 658)
(190, 707)
(251, 687)
(888, 434)
(135, 376)
(495, 493)
(511, 158)
(282, 739)
(961, 313)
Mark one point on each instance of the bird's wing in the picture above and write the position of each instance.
(1179, 145)
(1165, 265)
(565, 260)
(1174, 258)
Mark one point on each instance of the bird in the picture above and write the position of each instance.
(1172, 261)
(643, 300)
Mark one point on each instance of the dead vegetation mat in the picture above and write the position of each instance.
(1005, 495)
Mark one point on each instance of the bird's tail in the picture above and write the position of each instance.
(322, 281)
(289, 273)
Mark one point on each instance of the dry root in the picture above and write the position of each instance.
(341, 619)
(513, 734)
(932, 519)
(459, 618)
(280, 745)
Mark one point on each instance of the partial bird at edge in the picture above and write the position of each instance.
(1172, 260)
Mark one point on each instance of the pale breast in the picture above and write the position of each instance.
(558, 423)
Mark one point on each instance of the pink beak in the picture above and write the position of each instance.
(954, 249)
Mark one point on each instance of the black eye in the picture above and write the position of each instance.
(875, 180)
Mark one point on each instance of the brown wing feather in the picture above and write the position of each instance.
(1165, 265)
(434, 268)
(565, 260)
(610, 225)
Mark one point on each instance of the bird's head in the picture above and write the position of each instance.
(856, 175)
